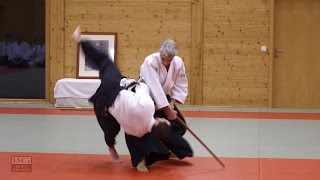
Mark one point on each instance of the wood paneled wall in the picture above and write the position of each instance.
(55, 32)
(235, 72)
(219, 41)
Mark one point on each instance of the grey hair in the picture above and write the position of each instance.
(169, 48)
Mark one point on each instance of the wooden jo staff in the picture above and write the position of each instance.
(203, 144)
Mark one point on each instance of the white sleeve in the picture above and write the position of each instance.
(151, 78)
(180, 87)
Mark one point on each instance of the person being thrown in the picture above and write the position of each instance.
(121, 102)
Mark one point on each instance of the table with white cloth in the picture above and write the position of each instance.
(74, 93)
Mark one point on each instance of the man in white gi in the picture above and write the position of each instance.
(19, 54)
(5, 49)
(38, 53)
(164, 73)
(124, 102)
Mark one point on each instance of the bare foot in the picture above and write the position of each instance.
(76, 34)
(114, 155)
(142, 166)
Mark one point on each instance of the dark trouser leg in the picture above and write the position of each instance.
(109, 74)
(176, 143)
(108, 123)
(100, 59)
(148, 147)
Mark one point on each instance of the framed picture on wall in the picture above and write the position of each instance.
(105, 42)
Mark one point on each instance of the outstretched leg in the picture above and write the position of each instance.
(99, 59)
(102, 98)
(109, 74)
(109, 125)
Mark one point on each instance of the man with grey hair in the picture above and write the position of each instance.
(168, 48)
(164, 73)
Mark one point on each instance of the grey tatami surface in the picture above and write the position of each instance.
(226, 137)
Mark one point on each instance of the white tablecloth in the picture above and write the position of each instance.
(71, 92)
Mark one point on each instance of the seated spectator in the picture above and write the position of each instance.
(37, 56)
(5, 48)
(19, 54)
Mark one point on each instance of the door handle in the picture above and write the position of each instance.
(278, 50)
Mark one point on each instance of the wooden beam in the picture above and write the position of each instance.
(271, 54)
(196, 59)
(55, 44)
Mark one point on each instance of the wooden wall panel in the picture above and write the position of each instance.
(55, 45)
(141, 27)
(235, 72)
(219, 41)
(196, 71)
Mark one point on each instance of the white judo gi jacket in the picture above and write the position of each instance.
(162, 81)
(134, 110)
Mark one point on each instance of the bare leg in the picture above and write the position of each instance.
(142, 166)
(114, 155)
